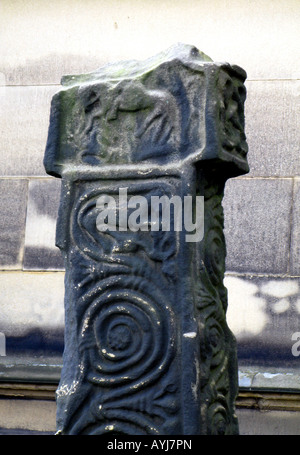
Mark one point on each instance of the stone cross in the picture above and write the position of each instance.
(144, 150)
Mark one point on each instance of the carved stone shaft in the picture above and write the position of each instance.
(144, 150)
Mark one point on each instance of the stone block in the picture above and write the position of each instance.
(257, 225)
(13, 200)
(276, 423)
(31, 301)
(40, 252)
(295, 240)
(59, 39)
(264, 315)
(24, 119)
(32, 322)
(35, 415)
(272, 127)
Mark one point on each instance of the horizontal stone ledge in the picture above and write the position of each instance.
(250, 275)
(30, 370)
(28, 390)
(267, 401)
(248, 397)
(269, 379)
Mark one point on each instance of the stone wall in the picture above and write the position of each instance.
(42, 41)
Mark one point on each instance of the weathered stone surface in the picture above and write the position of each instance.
(147, 346)
(12, 215)
(260, 209)
(154, 112)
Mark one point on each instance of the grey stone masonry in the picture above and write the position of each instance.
(273, 115)
(40, 250)
(261, 210)
(24, 122)
(264, 314)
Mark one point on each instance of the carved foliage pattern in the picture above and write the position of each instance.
(232, 96)
(218, 348)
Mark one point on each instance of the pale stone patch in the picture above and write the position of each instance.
(246, 312)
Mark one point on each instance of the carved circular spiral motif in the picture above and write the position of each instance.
(119, 336)
(127, 333)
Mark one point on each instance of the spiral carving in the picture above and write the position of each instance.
(129, 336)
